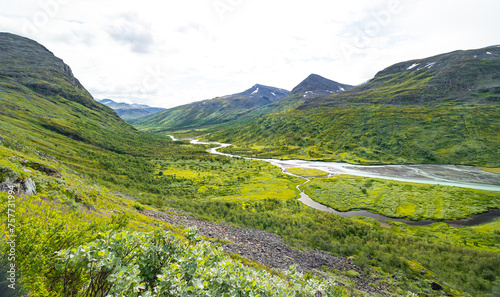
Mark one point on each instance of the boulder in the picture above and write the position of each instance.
(436, 287)
(27, 187)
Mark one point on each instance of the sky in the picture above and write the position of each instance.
(168, 53)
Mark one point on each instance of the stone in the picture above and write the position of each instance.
(436, 287)
(28, 187)
(42, 168)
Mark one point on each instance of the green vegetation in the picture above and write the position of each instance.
(401, 199)
(463, 267)
(161, 264)
(306, 172)
(373, 134)
(492, 170)
(93, 172)
(447, 113)
(214, 112)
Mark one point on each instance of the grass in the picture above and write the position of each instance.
(401, 199)
(492, 170)
(485, 236)
(306, 172)
(373, 134)
(226, 179)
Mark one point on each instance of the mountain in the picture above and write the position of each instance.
(442, 109)
(457, 77)
(317, 86)
(73, 176)
(130, 111)
(221, 112)
(29, 64)
(40, 93)
(211, 112)
(310, 89)
(88, 194)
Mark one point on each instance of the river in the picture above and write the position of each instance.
(448, 175)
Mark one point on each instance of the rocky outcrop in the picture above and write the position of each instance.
(42, 168)
(27, 187)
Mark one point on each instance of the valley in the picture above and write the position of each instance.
(96, 199)
(346, 190)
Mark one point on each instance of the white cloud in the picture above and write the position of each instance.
(173, 52)
(129, 29)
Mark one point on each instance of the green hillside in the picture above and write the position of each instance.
(70, 174)
(443, 109)
(211, 112)
(78, 187)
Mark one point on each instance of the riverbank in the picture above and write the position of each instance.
(412, 201)
(462, 182)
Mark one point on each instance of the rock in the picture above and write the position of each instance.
(47, 156)
(27, 187)
(268, 248)
(7, 184)
(436, 287)
(42, 168)
(422, 271)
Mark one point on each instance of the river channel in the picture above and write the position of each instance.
(448, 175)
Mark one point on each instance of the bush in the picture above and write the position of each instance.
(160, 264)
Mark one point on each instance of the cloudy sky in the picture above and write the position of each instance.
(168, 53)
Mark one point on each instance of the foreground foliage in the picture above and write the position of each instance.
(160, 264)
(461, 261)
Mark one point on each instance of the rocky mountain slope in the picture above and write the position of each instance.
(315, 86)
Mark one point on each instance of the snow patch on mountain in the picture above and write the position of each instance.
(413, 66)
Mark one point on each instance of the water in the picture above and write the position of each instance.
(449, 175)
(483, 218)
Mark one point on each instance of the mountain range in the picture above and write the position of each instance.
(86, 193)
(132, 111)
(441, 109)
(219, 110)
(238, 108)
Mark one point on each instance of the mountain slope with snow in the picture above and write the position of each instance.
(212, 111)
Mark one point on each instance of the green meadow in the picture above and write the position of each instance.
(395, 199)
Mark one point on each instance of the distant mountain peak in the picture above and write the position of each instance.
(442, 61)
(317, 86)
(130, 111)
(214, 111)
(263, 92)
